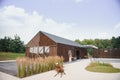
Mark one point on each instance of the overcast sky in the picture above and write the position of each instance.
(71, 19)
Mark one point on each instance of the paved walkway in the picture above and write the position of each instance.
(74, 71)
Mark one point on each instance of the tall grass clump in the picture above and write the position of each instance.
(30, 66)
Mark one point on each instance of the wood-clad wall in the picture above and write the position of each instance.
(34, 41)
(83, 52)
(27, 54)
(62, 50)
(42, 40)
(106, 53)
(45, 41)
(55, 49)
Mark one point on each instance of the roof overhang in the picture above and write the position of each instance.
(90, 46)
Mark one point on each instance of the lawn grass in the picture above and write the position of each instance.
(102, 67)
(10, 55)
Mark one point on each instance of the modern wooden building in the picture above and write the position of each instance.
(45, 44)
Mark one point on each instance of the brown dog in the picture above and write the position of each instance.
(59, 69)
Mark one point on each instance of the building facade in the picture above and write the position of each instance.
(45, 44)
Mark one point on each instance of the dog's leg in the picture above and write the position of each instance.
(56, 74)
(61, 74)
(64, 73)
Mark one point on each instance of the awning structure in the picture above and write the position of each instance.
(90, 46)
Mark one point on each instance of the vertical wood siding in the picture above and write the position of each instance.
(56, 49)
(106, 53)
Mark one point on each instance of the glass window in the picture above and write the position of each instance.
(35, 50)
(41, 50)
(47, 49)
(31, 50)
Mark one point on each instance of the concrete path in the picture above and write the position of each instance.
(74, 71)
(4, 76)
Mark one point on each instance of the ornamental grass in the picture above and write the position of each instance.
(30, 66)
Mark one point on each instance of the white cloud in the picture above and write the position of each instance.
(117, 26)
(14, 20)
(78, 1)
(103, 35)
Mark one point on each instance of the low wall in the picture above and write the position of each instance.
(106, 53)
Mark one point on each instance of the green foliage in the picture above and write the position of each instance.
(89, 50)
(101, 43)
(116, 42)
(102, 67)
(10, 55)
(12, 45)
(5, 44)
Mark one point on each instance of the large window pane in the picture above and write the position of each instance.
(41, 50)
(31, 50)
(35, 50)
(47, 49)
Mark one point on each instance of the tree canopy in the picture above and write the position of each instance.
(114, 42)
(8, 44)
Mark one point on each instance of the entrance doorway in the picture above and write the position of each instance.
(77, 54)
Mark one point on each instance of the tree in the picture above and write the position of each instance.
(101, 43)
(12, 45)
(115, 42)
(17, 44)
(5, 44)
(78, 41)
